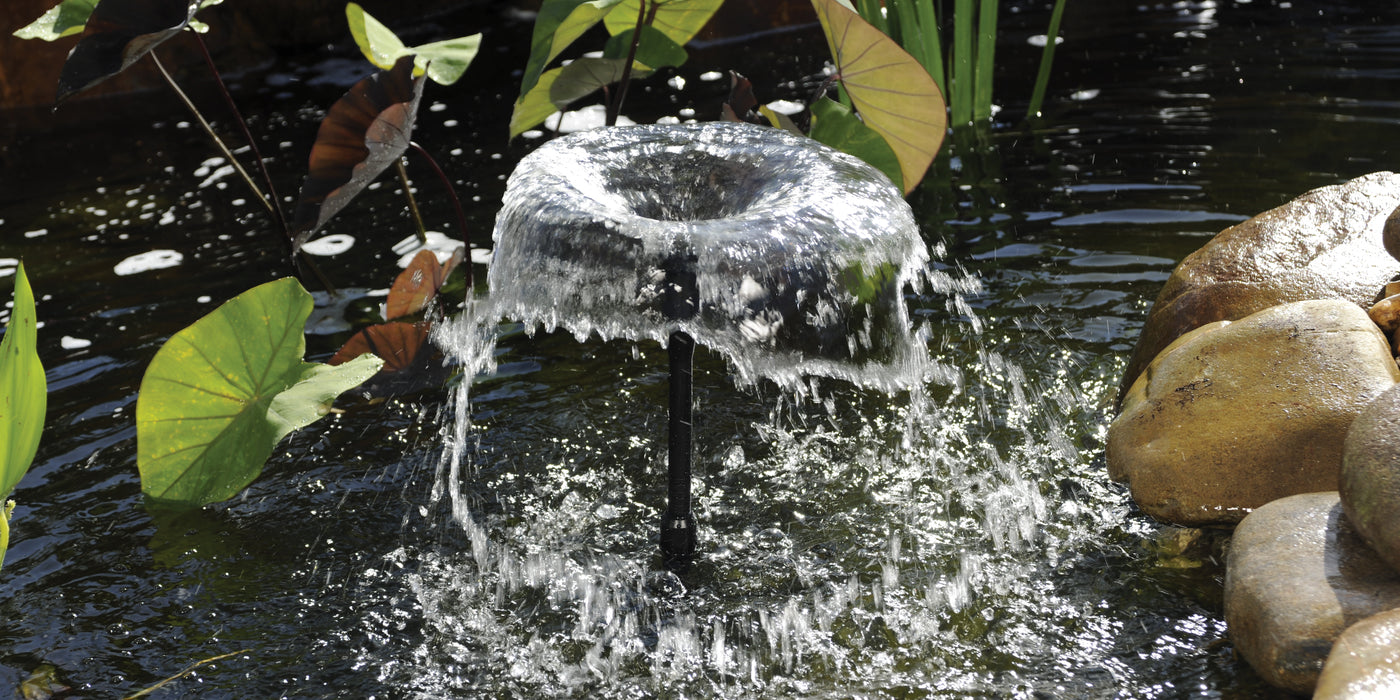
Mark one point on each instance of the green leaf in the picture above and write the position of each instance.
(447, 60)
(557, 25)
(837, 126)
(656, 50)
(444, 61)
(64, 19)
(380, 45)
(893, 93)
(679, 20)
(23, 388)
(222, 393)
(535, 106)
(582, 77)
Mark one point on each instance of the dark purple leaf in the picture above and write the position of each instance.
(118, 34)
(363, 133)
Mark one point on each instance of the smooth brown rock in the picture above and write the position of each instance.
(1370, 477)
(1296, 577)
(1391, 234)
(1326, 244)
(1236, 414)
(1386, 313)
(1365, 661)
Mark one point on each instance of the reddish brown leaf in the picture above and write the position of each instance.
(419, 283)
(363, 133)
(741, 99)
(118, 34)
(398, 344)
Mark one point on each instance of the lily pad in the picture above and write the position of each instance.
(222, 393)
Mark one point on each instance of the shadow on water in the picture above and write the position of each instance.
(966, 544)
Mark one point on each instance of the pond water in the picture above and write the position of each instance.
(962, 542)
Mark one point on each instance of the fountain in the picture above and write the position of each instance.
(787, 257)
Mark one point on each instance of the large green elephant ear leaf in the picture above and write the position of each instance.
(221, 394)
(891, 91)
(557, 25)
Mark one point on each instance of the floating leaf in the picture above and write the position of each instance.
(680, 20)
(118, 34)
(891, 91)
(419, 283)
(64, 19)
(397, 343)
(558, 24)
(444, 61)
(411, 362)
(837, 126)
(220, 395)
(363, 133)
(23, 398)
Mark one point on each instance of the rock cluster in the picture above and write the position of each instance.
(1264, 393)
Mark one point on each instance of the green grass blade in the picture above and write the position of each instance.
(1047, 57)
(963, 51)
(933, 43)
(986, 53)
(910, 31)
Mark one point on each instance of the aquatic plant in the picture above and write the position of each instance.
(220, 394)
(23, 399)
(966, 74)
(645, 35)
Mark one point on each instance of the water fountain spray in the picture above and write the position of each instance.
(786, 257)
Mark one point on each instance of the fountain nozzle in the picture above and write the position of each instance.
(682, 301)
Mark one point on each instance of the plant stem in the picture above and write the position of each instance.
(1042, 78)
(412, 202)
(933, 46)
(456, 204)
(210, 130)
(615, 106)
(910, 31)
(986, 52)
(247, 135)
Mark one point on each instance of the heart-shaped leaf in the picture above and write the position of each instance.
(558, 24)
(118, 34)
(398, 344)
(23, 390)
(220, 395)
(64, 19)
(363, 133)
(891, 91)
(680, 20)
(655, 50)
(444, 61)
(419, 283)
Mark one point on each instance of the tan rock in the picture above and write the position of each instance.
(1365, 661)
(1391, 234)
(1326, 244)
(1386, 313)
(1370, 476)
(1236, 414)
(1296, 577)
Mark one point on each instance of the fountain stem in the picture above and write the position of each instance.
(682, 299)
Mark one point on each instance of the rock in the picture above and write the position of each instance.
(1370, 477)
(1296, 577)
(1386, 313)
(1325, 244)
(1236, 414)
(1391, 234)
(1364, 664)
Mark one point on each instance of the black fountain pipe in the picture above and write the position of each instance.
(681, 301)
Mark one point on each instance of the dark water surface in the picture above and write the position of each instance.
(981, 553)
